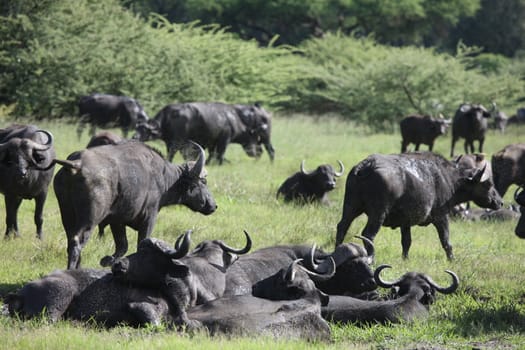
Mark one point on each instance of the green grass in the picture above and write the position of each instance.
(488, 311)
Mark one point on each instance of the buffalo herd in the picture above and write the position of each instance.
(282, 291)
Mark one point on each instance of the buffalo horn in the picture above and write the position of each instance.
(445, 290)
(49, 138)
(516, 195)
(370, 250)
(318, 275)
(302, 169)
(340, 173)
(182, 246)
(244, 250)
(290, 273)
(379, 281)
(199, 163)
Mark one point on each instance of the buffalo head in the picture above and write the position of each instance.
(258, 123)
(416, 283)
(324, 176)
(147, 130)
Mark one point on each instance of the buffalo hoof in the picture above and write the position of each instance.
(107, 261)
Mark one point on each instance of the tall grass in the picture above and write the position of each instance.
(488, 311)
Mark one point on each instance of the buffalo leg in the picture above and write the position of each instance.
(371, 229)
(12, 203)
(417, 146)
(39, 208)
(454, 139)
(480, 146)
(349, 214)
(430, 146)
(406, 240)
(121, 244)
(404, 146)
(270, 150)
(221, 149)
(443, 232)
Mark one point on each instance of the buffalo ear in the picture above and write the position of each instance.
(178, 269)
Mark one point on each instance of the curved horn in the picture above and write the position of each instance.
(341, 172)
(516, 195)
(445, 290)
(181, 248)
(382, 283)
(370, 248)
(318, 275)
(49, 137)
(244, 250)
(302, 169)
(290, 273)
(199, 163)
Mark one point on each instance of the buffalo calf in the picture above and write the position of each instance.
(421, 129)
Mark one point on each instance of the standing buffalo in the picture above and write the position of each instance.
(519, 197)
(414, 293)
(353, 274)
(26, 170)
(421, 129)
(184, 279)
(313, 186)
(470, 123)
(124, 185)
(508, 167)
(109, 110)
(419, 188)
(212, 125)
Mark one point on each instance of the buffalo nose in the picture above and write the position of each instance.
(119, 267)
(369, 284)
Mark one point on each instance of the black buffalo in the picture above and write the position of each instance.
(519, 197)
(26, 170)
(421, 129)
(105, 110)
(413, 294)
(419, 188)
(310, 186)
(123, 185)
(185, 279)
(212, 125)
(470, 123)
(284, 305)
(353, 273)
(508, 167)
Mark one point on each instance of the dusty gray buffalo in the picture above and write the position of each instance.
(413, 294)
(105, 110)
(519, 197)
(212, 125)
(419, 188)
(284, 305)
(310, 186)
(508, 167)
(123, 185)
(353, 273)
(421, 129)
(470, 123)
(185, 279)
(26, 170)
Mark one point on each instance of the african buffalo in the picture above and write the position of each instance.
(185, 279)
(105, 110)
(212, 125)
(26, 170)
(470, 123)
(285, 305)
(104, 138)
(353, 273)
(508, 167)
(124, 185)
(421, 129)
(519, 197)
(51, 295)
(418, 188)
(310, 186)
(414, 292)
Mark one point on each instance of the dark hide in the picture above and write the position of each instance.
(421, 129)
(470, 123)
(508, 167)
(104, 138)
(419, 188)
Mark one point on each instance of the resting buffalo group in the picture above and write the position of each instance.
(289, 290)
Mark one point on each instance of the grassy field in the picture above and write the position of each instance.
(488, 311)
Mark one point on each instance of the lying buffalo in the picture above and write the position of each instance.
(421, 129)
(353, 273)
(26, 170)
(212, 125)
(285, 305)
(185, 279)
(105, 110)
(123, 185)
(414, 293)
(508, 167)
(419, 188)
(310, 186)
(470, 123)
